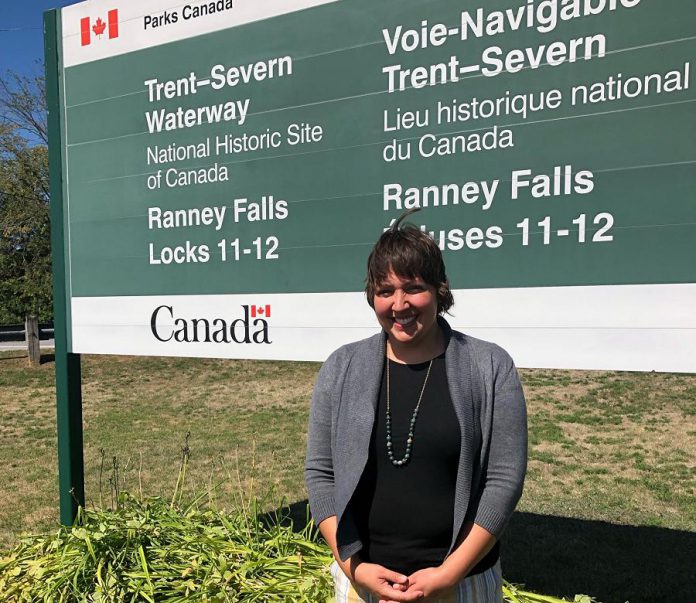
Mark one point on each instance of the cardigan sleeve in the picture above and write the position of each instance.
(505, 461)
(319, 470)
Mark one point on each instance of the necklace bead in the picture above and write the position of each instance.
(412, 425)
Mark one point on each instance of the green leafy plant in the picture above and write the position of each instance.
(152, 551)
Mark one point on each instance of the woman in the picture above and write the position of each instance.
(417, 442)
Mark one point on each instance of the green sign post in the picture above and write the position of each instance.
(68, 378)
(220, 171)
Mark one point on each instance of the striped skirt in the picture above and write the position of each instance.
(486, 587)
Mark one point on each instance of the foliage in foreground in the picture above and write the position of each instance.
(152, 550)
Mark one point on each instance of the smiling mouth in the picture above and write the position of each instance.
(404, 321)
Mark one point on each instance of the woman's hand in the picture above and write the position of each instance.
(389, 586)
(433, 582)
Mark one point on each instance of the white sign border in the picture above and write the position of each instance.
(607, 327)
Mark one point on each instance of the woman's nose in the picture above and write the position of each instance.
(400, 301)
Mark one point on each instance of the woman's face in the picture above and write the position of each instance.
(406, 309)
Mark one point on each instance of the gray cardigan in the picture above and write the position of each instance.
(489, 404)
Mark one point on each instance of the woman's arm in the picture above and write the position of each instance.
(319, 470)
(328, 531)
(504, 428)
(474, 544)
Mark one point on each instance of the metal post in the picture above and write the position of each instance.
(68, 379)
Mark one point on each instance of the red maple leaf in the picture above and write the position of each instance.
(99, 27)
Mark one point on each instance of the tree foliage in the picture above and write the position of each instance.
(25, 248)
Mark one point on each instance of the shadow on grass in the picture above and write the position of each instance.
(613, 563)
(13, 357)
(45, 358)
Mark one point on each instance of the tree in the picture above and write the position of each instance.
(25, 248)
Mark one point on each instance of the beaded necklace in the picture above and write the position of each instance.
(412, 425)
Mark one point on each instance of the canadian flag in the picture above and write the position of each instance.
(264, 311)
(86, 27)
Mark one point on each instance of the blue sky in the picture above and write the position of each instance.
(21, 33)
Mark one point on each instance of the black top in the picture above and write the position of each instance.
(405, 514)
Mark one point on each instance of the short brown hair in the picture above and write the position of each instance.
(409, 253)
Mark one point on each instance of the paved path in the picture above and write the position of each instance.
(21, 345)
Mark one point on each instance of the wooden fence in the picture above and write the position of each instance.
(30, 332)
(18, 332)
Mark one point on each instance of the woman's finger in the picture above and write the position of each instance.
(399, 597)
(395, 577)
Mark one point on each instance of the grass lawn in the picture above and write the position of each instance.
(607, 446)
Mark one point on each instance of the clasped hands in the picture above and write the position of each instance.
(391, 587)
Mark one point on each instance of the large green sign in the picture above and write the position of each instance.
(232, 163)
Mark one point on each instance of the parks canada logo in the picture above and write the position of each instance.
(97, 28)
(250, 327)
